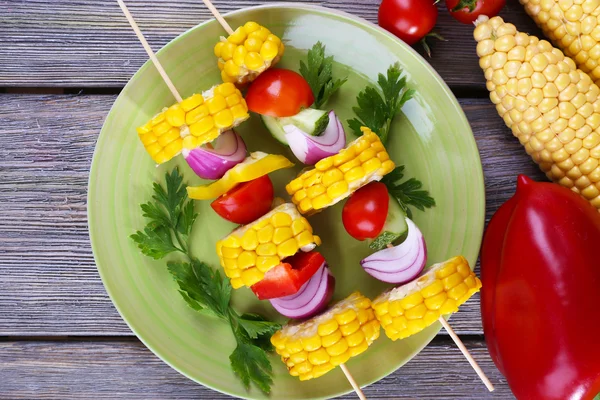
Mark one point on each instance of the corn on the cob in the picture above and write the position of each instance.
(408, 309)
(573, 27)
(336, 177)
(312, 348)
(250, 50)
(552, 107)
(197, 120)
(252, 250)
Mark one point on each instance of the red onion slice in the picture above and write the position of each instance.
(402, 263)
(312, 297)
(229, 151)
(310, 149)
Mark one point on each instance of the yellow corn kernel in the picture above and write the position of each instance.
(327, 327)
(265, 235)
(311, 343)
(265, 263)
(223, 119)
(236, 283)
(355, 338)
(434, 289)
(314, 191)
(246, 260)
(356, 350)
(371, 165)
(331, 339)
(346, 316)
(203, 126)
(175, 115)
(411, 300)
(452, 280)
(320, 370)
(297, 227)
(458, 291)
(229, 252)
(436, 302)
(216, 103)
(287, 248)
(269, 50)
(318, 357)
(281, 219)
(251, 276)
(349, 165)
(294, 346)
(340, 359)
(299, 357)
(250, 240)
(449, 307)
(282, 234)
(196, 114)
(266, 249)
(321, 202)
(337, 348)
(350, 328)
(354, 174)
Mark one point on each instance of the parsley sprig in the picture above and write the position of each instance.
(318, 72)
(171, 218)
(409, 192)
(377, 107)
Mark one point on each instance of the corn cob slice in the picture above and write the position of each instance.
(336, 177)
(197, 120)
(312, 348)
(252, 250)
(551, 107)
(573, 27)
(408, 309)
(246, 53)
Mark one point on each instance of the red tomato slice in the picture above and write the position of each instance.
(289, 276)
(279, 93)
(471, 9)
(365, 212)
(246, 202)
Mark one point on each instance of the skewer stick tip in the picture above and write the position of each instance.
(355, 386)
(218, 16)
(467, 355)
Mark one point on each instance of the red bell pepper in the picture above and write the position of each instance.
(289, 276)
(540, 268)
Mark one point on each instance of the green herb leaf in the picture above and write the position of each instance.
(318, 72)
(384, 238)
(203, 285)
(250, 364)
(408, 193)
(255, 325)
(174, 196)
(377, 107)
(155, 241)
(186, 219)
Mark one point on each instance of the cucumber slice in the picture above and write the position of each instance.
(394, 228)
(308, 120)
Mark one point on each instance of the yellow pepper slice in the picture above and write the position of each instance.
(253, 167)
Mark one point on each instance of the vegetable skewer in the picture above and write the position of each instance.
(211, 7)
(408, 309)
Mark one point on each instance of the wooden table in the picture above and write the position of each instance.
(62, 64)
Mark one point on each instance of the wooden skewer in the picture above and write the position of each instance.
(467, 355)
(355, 386)
(218, 16)
(465, 352)
(148, 49)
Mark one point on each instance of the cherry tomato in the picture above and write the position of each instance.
(410, 20)
(279, 93)
(246, 202)
(365, 212)
(467, 11)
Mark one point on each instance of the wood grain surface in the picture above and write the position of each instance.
(125, 369)
(88, 43)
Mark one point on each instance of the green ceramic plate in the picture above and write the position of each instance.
(433, 139)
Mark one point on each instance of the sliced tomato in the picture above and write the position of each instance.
(365, 211)
(279, 93)
(289, 276)
(246, 202)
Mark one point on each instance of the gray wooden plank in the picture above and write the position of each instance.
(126, 369)
(87, 43)
(48, 281)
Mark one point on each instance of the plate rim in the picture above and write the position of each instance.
(94, 167)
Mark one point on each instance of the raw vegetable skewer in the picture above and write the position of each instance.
(211, 7)
(312, 348)
(151, 54)
(423, 284)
